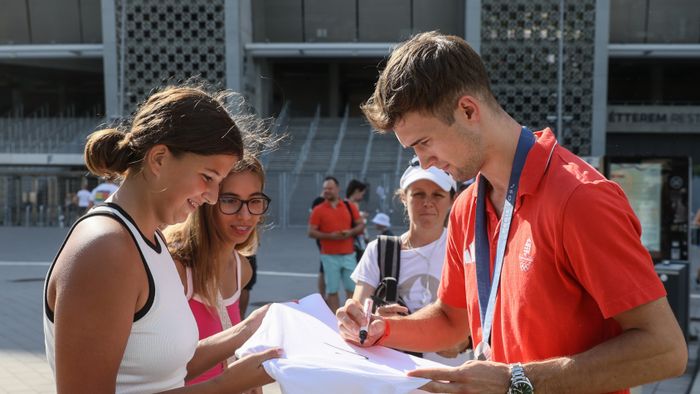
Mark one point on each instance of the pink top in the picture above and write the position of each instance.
(208, 320)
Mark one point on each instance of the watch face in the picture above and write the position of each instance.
(521, 388)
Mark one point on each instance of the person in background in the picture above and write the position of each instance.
(101, 192)
(115, 315)
(83, 198)
(427, 196)
(321, 280)
(544, 265)
(354, 194)
(382, 223)
(335, 223)
(210, 250)
(381, 195)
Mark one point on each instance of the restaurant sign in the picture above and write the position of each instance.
(653, 119)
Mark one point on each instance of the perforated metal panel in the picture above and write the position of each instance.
(168, 41)
(519, 45)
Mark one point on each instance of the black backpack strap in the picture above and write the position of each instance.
(389, 261)
(389, 256)
(352, 219)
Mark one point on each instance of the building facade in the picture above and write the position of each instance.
(611, 77)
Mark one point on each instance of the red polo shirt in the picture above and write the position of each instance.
(573, 260)
(330, 219)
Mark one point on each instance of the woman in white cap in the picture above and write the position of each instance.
(427, 195)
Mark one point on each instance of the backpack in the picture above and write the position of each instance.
(389, 261)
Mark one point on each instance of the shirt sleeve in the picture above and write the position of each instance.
(452, 289)
(601, 240)
(315, 217)
(367, 269)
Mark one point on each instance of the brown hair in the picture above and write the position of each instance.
(197, 242)
(184, 118)
(428, 74)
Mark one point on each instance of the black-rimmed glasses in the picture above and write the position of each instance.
(230, 205)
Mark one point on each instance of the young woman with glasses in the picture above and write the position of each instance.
(210, 250)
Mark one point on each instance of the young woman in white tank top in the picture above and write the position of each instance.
(115, 314)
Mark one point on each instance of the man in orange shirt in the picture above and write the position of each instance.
(544, 265)
(335, 223)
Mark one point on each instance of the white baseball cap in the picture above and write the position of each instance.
(382, 219)
(415, 172)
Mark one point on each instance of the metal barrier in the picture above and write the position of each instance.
(339, 140)
(43, 196)
(292, 210)
(39, 196)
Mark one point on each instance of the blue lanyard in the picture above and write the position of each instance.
(487, 289)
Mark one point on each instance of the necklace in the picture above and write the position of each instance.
(426, 296)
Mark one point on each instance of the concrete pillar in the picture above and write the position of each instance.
(472, 23)
(234, 51)
(600, 78)
(110, 63)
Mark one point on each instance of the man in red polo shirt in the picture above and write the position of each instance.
(544, 265)
(335, 223)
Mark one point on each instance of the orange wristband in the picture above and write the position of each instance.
(387, 330)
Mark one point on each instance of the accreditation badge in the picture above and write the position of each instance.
(482, 351)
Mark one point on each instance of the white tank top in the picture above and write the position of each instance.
(164, 333)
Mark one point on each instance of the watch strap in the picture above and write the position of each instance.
(519, 382)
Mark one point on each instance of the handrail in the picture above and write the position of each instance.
(368, 153)
(339, 140)
(304, 153)
(282, 118)
(279, 123)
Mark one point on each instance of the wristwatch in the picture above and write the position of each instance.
(519, 383)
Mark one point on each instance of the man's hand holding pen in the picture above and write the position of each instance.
(352, 318)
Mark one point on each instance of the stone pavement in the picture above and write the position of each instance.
(288, 267)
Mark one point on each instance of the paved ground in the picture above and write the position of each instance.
(288, 267)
